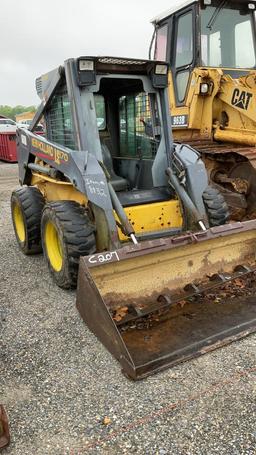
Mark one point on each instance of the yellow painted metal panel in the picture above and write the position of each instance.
(153, 217)
(56, 190)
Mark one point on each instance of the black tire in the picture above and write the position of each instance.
(67, 233)
(26, 206)
(216, 207)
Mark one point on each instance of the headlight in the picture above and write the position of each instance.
(204, 88)
(86, 65)
(161, 69)
(251, 5)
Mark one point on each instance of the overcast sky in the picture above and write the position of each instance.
(38, 35)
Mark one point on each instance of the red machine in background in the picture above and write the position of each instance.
(8, 149)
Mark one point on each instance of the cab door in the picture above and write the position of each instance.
(183, 53)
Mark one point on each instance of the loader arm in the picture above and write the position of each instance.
(80, 168)
(227, 112)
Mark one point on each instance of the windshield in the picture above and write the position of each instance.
(227, 40)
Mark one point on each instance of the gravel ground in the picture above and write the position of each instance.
(58, 382)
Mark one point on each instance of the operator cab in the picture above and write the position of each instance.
(117, 110)
(206, 33)
(122, 114)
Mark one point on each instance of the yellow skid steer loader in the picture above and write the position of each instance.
(163, 275)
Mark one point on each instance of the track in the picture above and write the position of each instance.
(232, 169)
(209, 148)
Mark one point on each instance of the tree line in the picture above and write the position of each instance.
(11, 112)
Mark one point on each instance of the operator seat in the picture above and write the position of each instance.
(118, 183)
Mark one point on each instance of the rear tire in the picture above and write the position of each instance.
(67, 233)
(216, 207)
(26, 206)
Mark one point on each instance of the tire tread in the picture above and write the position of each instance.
(32, 203)
(216, 207)
(78, 236)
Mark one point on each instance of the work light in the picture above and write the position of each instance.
(161, 69)
(86, 65)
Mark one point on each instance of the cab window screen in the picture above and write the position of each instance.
(59, 126)
(136, 121)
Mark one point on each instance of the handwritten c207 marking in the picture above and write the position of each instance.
(103, 257)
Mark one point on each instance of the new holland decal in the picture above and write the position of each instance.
(49, 152)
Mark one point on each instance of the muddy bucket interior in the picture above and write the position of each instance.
(164, 301)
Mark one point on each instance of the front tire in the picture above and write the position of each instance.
(216, 207)
(26, 206)
(67, 233)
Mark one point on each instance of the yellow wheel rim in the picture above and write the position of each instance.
(19, 222)
(53, 246)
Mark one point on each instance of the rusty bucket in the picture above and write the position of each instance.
(165, 301)
(4, 428)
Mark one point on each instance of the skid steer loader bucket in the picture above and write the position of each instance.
(4, 428)
(164, 301)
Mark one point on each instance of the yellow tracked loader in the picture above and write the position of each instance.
(211, 48)
(163, 276)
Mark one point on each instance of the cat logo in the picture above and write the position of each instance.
(241, 99)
